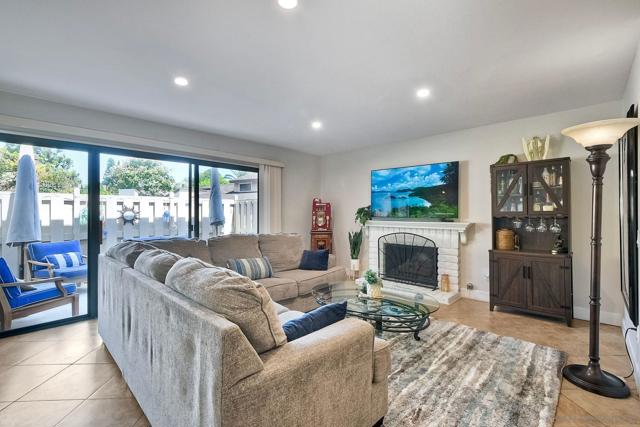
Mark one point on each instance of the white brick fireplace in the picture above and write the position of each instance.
(448, 236)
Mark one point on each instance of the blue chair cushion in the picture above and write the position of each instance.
(70, 259)
(43, 292)
(6, 276)
(315, 260)
(39, 251)
(314, 320)
(67, 272)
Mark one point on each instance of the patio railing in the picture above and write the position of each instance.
(64, 217)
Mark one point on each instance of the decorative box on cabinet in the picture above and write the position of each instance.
(531, 278)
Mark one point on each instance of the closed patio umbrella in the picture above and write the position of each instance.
(24, 223)
(216, 208)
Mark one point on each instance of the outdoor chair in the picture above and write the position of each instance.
(48, 293)
(57, 259)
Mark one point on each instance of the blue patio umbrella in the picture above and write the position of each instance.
(216, 208)
(24, 223)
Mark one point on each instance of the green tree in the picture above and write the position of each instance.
(205, 179)
(450, 174)
(54, 169)
(148, 177)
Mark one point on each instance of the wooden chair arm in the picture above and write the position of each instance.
(58, 281)
(41, 264)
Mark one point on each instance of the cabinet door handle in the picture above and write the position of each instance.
(529, 272)
(524, 271)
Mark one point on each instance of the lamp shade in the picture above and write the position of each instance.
(602, 132)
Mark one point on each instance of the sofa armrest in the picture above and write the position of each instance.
(300, 381)
(381, 360)
(332, 261)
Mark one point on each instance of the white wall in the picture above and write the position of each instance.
(632, 96)
(301, 175)
(346, 184)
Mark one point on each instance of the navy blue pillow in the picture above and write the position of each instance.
(315, 260)
(314, 320)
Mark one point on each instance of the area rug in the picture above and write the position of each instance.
(460, 376)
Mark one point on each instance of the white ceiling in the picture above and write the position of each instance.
(263, 73)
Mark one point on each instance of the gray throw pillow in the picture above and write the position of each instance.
(239, 299)
(283, 250)
(128, 252)
(156, 263)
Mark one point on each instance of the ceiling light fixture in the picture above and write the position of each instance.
(316, 125)
(423, 93)
(288, 4)
(181, 81)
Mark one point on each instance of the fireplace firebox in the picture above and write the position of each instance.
(408, 258)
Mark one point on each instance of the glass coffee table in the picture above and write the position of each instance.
(389, 313)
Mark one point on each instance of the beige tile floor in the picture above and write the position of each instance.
(65, 377)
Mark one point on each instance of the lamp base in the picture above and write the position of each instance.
(592, 378)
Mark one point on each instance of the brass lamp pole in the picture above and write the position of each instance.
(597, 138)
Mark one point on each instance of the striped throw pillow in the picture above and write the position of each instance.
(253, 268)
(70, 259)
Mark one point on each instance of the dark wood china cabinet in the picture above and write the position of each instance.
(533, 200)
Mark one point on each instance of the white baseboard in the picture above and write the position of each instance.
(581, 313)
(475, 294)
(633, 344)
(607, 317)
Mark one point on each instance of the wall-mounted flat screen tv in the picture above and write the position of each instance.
(419, 192)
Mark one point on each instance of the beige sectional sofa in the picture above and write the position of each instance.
(290, 286)
(188, 365)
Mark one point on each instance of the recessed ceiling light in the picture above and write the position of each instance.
(288, 4)
(181, 81)
(316, 125)
(423, 93)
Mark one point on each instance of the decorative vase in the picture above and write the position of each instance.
(355, 265)
(375, 290)
(445, 283)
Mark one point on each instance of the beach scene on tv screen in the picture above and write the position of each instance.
(425, 191)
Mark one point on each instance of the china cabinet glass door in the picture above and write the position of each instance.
(510, 195)
(547, 182)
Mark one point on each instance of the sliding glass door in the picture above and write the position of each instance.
(64, 203)
(43, 233)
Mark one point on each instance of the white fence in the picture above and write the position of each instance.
(63, 217)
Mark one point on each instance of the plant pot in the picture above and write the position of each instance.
(355, 265)
(374, 291)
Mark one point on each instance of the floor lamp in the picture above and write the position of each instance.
(597, 138)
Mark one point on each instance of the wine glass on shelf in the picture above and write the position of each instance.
(555, 227)
(529, 228)
(542, 227)
(517, 223)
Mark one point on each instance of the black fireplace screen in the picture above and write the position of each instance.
(408, 258)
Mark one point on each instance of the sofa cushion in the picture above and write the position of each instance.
(128, 252)
(314, 260)
(309, 279)
(381, 360)
(289, 315)
(280, 288)
(184, 247)
(283, 250)
(280, 308)
(239, 299)
(156, 263)
(253, 268)
(222, 248)
(314, 320)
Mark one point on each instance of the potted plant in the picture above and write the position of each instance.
(355, 243)
(374, 284)
(363, 215)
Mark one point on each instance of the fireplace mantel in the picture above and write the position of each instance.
(448, 236)
(460, 227)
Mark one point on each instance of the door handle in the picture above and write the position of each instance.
(524, 271)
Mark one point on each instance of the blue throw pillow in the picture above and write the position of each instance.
(314, 320)
(315, 260)
(70, 259)
(253, 268)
